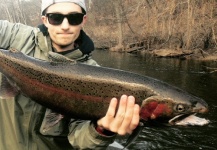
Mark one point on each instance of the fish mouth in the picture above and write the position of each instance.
(188, 120)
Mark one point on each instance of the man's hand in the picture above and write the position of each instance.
(125, 120)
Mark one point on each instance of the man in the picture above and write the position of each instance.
(23, 122)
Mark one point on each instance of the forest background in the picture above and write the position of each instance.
(129, 25)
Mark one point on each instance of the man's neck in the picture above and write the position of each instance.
(59, 48)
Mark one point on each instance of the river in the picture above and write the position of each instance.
(190, 75)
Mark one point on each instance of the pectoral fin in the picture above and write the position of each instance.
(51, 120)
(7, 88)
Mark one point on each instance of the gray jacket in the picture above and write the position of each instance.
(22, 120)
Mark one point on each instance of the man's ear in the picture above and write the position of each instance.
(84, 20)
(44, 20)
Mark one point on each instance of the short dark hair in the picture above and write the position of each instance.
(45, 11)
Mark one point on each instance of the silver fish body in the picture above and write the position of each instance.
(84, 92)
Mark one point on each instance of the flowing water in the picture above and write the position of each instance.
(189, 75)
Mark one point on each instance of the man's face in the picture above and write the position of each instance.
(63, 35)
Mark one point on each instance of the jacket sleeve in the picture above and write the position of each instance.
(16, 35)
(83, 135)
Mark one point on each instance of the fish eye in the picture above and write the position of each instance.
(180, 108)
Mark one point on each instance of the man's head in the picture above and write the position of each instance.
(64, 20)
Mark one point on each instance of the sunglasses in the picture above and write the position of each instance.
(57, 19)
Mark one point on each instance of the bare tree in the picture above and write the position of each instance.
(119, 20)
(175, 24)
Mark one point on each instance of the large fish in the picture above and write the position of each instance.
(83, 91)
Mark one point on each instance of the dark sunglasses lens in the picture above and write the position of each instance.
(75, 19)
(55, 19)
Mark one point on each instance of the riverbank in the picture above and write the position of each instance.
(197, 54)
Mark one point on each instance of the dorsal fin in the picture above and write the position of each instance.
(56, 58)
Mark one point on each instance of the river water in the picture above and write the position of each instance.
(189, 75)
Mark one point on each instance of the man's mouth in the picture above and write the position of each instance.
(66, 33)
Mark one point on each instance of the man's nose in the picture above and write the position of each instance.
(65, 24)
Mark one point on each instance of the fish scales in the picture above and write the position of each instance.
(65, 87)
(83, 91)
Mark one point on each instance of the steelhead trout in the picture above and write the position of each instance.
(84, 92)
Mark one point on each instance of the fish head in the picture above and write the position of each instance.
(165, 109)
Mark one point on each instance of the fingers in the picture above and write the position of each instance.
(135, 120)
(127, 117)
(125, 120)
(112, 108)
(131, 119)
(109, 117)
(120, 116)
